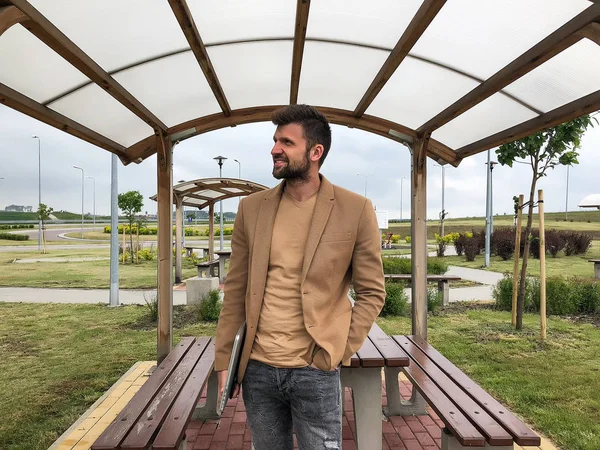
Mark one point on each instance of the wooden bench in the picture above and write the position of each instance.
(472, 417)
(189, 249)
(442, 281)
(208, 268)
(596, 267)
(158, 414)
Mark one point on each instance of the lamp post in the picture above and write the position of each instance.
(39, 190)
(401, 196)
(220, 160)
(94, 180)
(443, 213)
(489, 212)
(366, 178)
(82, 195)
(239, 176)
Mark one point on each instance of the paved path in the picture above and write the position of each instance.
(72, 296)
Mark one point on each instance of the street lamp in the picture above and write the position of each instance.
(366, 178)
(489, 211)
(220, 160)
(239, 175)
(94, 180)
(39, 190)
(401, 195)
(82, 195)
(567, 197)
(443, 213)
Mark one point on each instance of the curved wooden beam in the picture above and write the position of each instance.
(391, 130)
(556, 42)
(9, 16)
(49, 34)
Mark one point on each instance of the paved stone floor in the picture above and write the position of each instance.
(399, 433)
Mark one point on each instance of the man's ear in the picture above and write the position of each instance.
(316, 152)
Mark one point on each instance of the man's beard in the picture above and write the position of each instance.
(293, 171)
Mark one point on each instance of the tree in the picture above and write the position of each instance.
(130, 203)
(44, 212)
(544, 150)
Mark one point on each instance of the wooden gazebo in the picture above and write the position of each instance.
(202, 193)
(447, 78)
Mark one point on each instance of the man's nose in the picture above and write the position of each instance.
(276, 150)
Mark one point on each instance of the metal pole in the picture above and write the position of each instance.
(94, 180)
(39, 190)
(114, 233)
(401, 196)
(239, 176)
(221, 243)
(443, 194)
(492, 198)
(82, 195)
(487, 212)
(567, 197)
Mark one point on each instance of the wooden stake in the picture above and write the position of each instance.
(124, 243)
(178, 232)
(137, 248)
(517, 255)
(542, 265)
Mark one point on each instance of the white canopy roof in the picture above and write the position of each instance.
(472, 74)
(591, 201)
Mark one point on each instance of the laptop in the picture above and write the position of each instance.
(234, 364)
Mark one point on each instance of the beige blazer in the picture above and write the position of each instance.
(343, 247)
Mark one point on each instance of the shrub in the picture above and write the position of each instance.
(434, 300)
(503, 290)
(443, 241)
(395, 238)
(14, 237)
(436, 266)
(15, 227)
(397, 265)
(407, 239)
(534, 247)
(555, 242)
(576, 243)
(563, 296)
(210, 308)
(502, 242)
(459, 244)
(146, 254)
(404, 266)
(471, 248)
(152, 306)
(396, 300)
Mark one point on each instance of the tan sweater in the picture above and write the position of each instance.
(281, 337)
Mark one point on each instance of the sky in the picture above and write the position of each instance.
(357, 161)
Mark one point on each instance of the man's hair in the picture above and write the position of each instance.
(315, 125)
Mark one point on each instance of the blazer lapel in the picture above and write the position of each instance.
(323, 207)
(261, 247)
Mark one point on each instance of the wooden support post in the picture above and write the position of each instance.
(211, 231)
(517, 256)
(164, 166)
(542, 265)
(419, 236)
(124, 243)
(178, 230)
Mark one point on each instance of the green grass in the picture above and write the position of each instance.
(58, 359)
(100, 235)
(565, 266)
(85, 275)
(554, 386)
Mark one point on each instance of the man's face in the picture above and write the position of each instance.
(290, 156)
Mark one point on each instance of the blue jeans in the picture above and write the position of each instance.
(306, 399)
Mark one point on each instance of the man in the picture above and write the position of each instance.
(295, 250)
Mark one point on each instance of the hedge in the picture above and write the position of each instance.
(435, 266)
(563, 296)
(14, 237)
(144, 231)
(15, 227)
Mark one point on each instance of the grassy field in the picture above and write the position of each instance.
(58, 359)
(85, 275)
(588, 221)
(100, 235)
(559, 266)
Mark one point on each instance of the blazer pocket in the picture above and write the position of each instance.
(336, 237)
